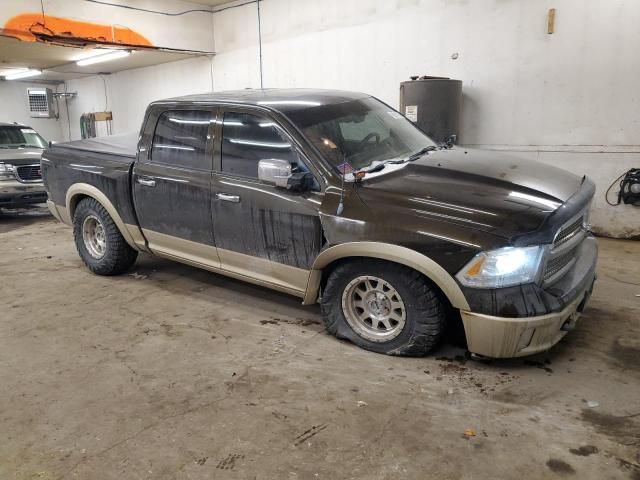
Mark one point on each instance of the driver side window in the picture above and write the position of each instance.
(249, 138)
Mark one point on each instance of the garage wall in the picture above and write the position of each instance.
(523, 87)
(15, 108)
(128, 93)
(570, 98)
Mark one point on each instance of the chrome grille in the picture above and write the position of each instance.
(29, 173)
(556, 264)
(564, 249)
(569, 231)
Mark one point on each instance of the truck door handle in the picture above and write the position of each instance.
(147, 182)
(228, 198)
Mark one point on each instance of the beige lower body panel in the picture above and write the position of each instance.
(193, 252)
(259, 270)
(256, 270)
(53, 208)
(60, 212)
(500, 337)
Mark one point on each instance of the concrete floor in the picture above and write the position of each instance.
(172, 372)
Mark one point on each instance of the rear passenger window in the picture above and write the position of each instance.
(247, 139)
(181, 139)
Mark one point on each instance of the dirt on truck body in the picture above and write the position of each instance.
(337, 198)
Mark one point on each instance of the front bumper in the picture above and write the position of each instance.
(528, 319)
(15, 194)
(500, 337)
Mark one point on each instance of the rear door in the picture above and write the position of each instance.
(266, 232)
(172, 183)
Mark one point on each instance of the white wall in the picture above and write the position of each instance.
(571, 98)
(128, 93)
(15, 108)
(523, 87)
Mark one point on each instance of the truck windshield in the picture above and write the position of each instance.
(356, 134)
(20, 137)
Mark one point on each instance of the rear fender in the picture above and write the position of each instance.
(131, 233)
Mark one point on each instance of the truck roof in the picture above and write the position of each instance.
(8, 124)
(279, 99)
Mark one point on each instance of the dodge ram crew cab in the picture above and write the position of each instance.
(337, 198)
(20, 176)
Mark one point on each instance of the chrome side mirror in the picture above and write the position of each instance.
(274, 171)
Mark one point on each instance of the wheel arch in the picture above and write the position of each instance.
(384, 251)
(79, 191)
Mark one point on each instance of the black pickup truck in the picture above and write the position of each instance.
(336, 197)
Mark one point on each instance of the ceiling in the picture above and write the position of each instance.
(59, 62)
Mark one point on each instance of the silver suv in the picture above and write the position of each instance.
(20, 176)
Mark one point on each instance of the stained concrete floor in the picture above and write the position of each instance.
(174, 373)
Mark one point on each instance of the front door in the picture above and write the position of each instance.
(265, 232)
(172, 185)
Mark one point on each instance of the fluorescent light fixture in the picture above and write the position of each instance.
(92, 52)
(105, 57)
(23, 73)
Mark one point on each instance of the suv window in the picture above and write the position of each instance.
(248, 138)
(181, 139)
(20, 137)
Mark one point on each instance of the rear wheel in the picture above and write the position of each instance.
(383, 307)
(99, 242)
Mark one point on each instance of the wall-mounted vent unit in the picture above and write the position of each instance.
(41, 102)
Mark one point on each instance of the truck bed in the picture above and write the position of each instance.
(104, 163)
(122, 145)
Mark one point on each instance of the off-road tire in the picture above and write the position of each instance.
(425, 311)
(118, 257)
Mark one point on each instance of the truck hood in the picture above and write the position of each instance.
(479, 189)
(20, 156)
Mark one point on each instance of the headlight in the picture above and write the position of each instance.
(502, 268)
(6, 171)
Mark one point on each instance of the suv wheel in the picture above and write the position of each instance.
(383, 307)
(99, 242)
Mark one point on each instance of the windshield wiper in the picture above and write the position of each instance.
(411, 158)
(420, 153)
(380, 166)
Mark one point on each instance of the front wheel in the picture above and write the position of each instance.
(100, 244)
(383, 307)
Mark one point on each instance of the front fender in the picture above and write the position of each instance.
(385, 251)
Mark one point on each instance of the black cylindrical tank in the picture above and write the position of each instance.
(434, 104)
